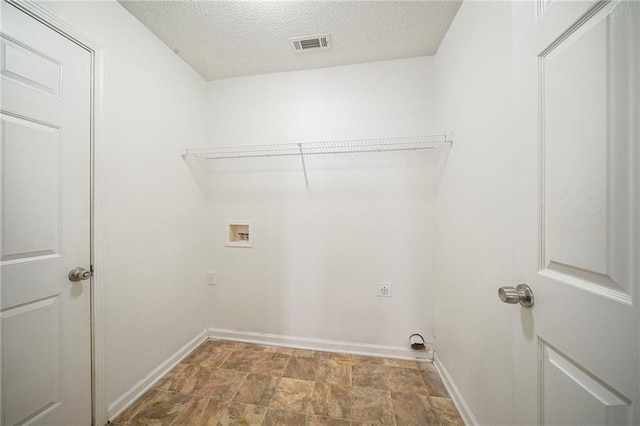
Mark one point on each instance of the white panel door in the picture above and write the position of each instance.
(577, 223)
(45, 172)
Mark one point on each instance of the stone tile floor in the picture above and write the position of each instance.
(232, 383)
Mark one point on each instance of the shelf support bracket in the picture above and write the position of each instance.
(304, 167)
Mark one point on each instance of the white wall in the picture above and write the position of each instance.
(319, 252)
(473, 220)
(153, 208)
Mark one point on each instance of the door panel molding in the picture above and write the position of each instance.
(98, 281)
(43, 238)
(600, 285)
(44, 348)
(558, 372)
(592, 250)
(31, 74)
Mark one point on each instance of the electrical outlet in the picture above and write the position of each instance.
(384, 289)
(212, 278)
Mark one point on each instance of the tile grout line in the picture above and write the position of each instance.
(198, 367)
(315, 383)
(274, 391)
(240, 385)
(210, 398)
(429, 396)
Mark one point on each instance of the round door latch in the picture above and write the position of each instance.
(79, 274)
(522, 294)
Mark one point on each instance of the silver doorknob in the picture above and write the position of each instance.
(79, 274)
(522, 294)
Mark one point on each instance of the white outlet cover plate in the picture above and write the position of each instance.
(212, 277)
(384, 289)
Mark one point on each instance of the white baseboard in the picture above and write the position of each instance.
(124, 400)
(454, 392)
(319, 344)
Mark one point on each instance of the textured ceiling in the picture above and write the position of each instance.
(222, 39)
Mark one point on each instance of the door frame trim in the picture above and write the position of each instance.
(99, 397)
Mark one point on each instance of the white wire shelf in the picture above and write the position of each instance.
(300, 154)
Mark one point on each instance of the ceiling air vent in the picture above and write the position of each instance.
(303, 44)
